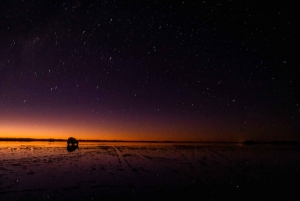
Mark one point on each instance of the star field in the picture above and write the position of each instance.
(207, 70)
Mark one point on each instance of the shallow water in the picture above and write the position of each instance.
(47, 170)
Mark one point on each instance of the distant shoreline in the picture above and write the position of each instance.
(87, 140)
(247, 142)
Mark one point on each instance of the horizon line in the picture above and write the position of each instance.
(249, 142)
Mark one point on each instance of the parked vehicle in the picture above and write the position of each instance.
(72, 142)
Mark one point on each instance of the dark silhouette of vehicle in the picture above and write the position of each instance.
(72, 142)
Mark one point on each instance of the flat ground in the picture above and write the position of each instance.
(48, 171)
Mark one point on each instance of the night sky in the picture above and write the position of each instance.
(150, 70)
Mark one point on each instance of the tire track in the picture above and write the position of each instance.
(124, 164)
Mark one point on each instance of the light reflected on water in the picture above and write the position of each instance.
(110, 167)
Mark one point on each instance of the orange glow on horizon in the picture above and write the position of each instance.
(95, 133)
(87, 128)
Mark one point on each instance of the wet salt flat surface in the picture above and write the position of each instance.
(48, 171)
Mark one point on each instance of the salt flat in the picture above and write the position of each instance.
(48, 171)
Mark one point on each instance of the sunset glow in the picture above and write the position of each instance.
(148, 71)
(149, 100)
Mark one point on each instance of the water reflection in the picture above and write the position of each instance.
(71, 148)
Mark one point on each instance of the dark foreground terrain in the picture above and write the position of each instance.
(116, 171)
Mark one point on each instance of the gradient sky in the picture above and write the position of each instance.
(148, 70)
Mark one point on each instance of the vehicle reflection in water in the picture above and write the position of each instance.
(71, 148)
